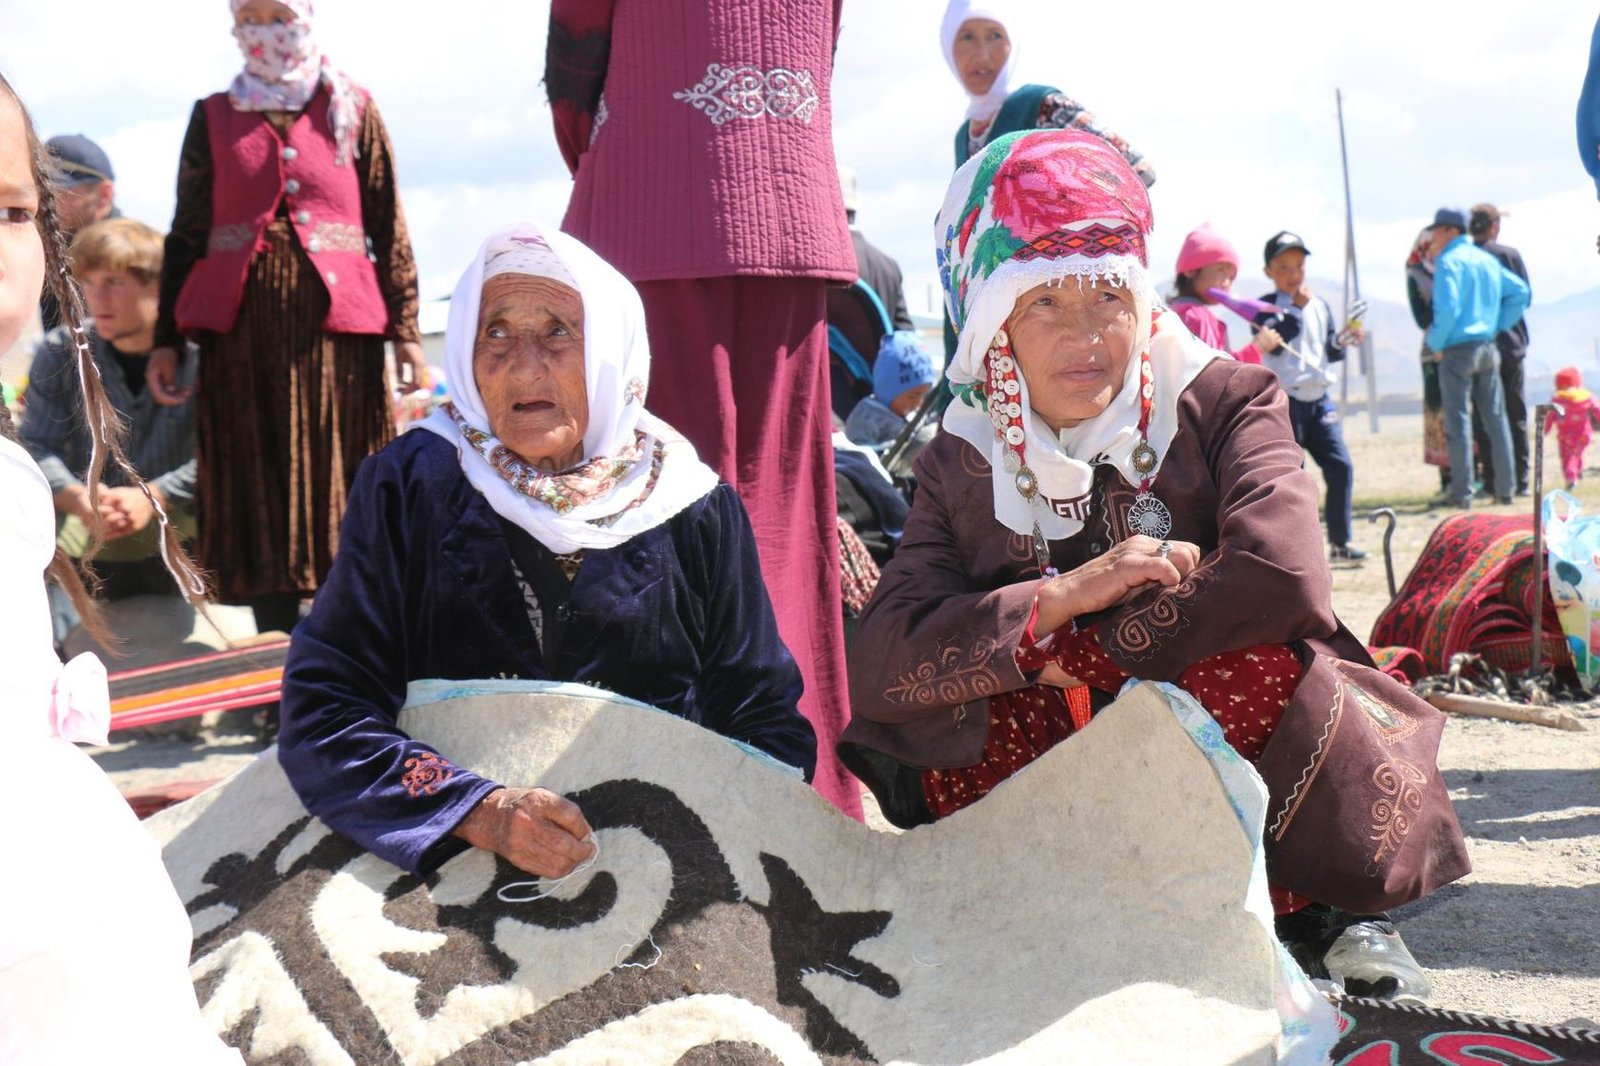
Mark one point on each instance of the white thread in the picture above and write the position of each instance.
(582, 867)
(628, 948)
(930, 965)
(842, 970)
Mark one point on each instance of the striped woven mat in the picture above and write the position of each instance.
(246, 676)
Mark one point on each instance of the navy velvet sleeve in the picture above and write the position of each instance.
(343, 685)
(749, 684)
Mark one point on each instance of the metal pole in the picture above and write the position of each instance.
(1540, 414)
(1352, 278)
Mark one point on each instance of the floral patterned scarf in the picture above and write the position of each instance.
(283, 67)
(1052, 206)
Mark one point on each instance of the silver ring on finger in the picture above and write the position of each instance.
(1165, 549)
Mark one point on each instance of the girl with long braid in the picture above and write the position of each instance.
(94, 956)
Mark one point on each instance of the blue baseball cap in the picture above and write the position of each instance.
(902, 364)
(78, 160)
(1450, 216)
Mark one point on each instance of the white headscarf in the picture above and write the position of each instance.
(1056, 207)
(283, 68)
(616, 376)
(982, 108)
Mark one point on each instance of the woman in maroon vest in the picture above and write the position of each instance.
(289, 264)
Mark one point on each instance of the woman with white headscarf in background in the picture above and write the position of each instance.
(544, 525)
(975, 37)
(976, 40)
(289, 265)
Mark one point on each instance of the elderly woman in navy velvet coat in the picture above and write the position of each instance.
(544, 525)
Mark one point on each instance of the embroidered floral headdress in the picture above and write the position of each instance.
(1053, 207)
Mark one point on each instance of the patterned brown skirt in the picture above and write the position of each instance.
(284, 414)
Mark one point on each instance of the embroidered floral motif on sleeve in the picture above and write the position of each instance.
(730, 92)
(425, 772)
(943, 678)
(1136, 635)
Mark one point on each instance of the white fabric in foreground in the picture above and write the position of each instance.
(616, 377)
(1108, 904)
(93, 942)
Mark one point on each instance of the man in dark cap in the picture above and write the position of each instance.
(1484, 229)
(87, 194)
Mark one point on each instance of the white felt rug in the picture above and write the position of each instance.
(1107, 905)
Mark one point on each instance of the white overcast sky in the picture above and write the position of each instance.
(1235, 110)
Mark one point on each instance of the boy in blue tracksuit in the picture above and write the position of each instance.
(1304, 365)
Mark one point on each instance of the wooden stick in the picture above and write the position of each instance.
(1554, 717)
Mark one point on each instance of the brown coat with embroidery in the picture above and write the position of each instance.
(941, 633)
(1358, 815)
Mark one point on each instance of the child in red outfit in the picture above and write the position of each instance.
(1577, 412)
(1207, 261)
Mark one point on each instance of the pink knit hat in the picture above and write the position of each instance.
(1203, 247)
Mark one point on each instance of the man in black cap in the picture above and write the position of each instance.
(1484, 228)
(1474, 299)
(87, 194)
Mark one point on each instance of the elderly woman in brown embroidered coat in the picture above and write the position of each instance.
(1112, 500)
(289, 263)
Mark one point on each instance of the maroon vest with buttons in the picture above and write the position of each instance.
(254, 169)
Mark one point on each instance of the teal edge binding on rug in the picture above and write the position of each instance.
(1310, 1023)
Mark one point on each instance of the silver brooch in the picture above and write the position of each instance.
(1150, 516)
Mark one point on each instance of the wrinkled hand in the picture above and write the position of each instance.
(410, 367)
(125, 511)
(532, 828)
(1129, 567)
(161, 377)
(1268, 340)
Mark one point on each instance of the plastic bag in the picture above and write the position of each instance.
(1572, 547)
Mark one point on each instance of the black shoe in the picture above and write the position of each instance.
(1364, 954)
(1524, 490)
(1502, 500)
(1344, 553)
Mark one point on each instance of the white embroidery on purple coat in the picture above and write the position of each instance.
(730, 92)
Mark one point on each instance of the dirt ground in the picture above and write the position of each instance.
(1519, 937)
